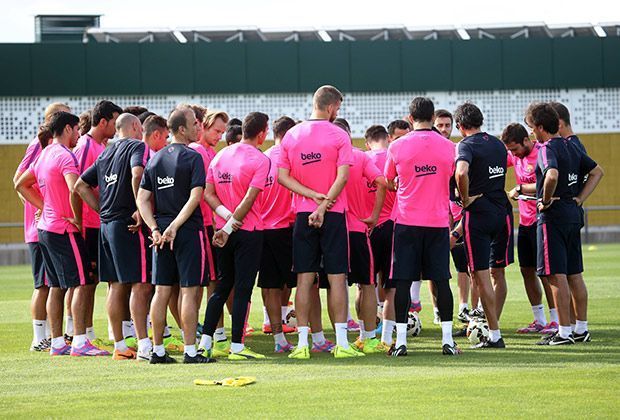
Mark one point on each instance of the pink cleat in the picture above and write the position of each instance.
(352, 325)
(88, 350)
(283, 349)
(534, 327)
(550, 328)
(326, 347)
(63, 351)
(415, 307)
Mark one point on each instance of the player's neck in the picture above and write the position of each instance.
(180, 140)
(96, 134)
(319, 114)
(545, 137)
(64, 141)
(277, 141)
(422, 125)
(252, 142)
(377, 145)
(470, 131)
(566, 132)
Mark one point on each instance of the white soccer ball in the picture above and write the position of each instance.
(414, 324)
(291, 317)
(477, 331)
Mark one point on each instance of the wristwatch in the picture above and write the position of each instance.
(456, 235)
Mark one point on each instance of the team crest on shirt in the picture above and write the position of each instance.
(269, 181)
(311, 157)
(224, 177)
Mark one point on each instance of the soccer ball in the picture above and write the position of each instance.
(291, 317)
(477, 331)
(414, 325)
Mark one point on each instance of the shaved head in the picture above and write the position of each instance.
(128, 126)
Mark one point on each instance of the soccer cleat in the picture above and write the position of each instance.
(374, 345)
(199, 358)
(300, 353)
(534, 327)
(63, 351)
(584, 337)
(358, 344)
(144, 356)
(560, 341)
(128, 354)
(245, 354)
(267, 329)
(88, 350)
(283, 348)
(463, 316)
(477, 313)
(326, 347)
(68, 339)
(352, 325)
(415, 307)
(550, 328)
(165, 359)
(546, 339)
(450, 350)
(43, 345)
(397, 352)
(248, 330)
(132, 343)
(342, 353)
(220, 348)
(288, 330)
(173, 344)
(461, 332)
(488, 344)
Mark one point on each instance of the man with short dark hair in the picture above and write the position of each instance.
(155, 133)
(233, 134)
(397, 128)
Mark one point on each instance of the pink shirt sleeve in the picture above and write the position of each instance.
(390, 168)
(68, 164)
(210, 178)
(32, 152)
(283, 160)
(259, 179)
(345, 151)
(510, 160)
(370, 170)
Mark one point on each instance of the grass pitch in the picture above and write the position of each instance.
(522, 381)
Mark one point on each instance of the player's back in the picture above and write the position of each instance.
(378, 157)
(361, 173)
(275, 200)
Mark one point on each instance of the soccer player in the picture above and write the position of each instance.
(523, 155)
(62, 245)
(233, 134)
(277, 258)
(40, 327)
(85, 122)
(235, 178)
(155, 133)
(314, 165)
(397, 129)
(424, 162)
(480, 177)
(123, 256)
(561, 165)
(174, 179)
(88, 149)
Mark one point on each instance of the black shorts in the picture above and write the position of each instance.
(123, 256)
(459, 258)
(362, 270)
(91, 241)
(65, 260)
(503, 245)
(239, 260)
(381, 242)
(210, 250)
(328, 244)
(486, 238)
(38, 266)
(420, 253)
(277, 260)
(185, 263)
(526, 246)
(559, 249)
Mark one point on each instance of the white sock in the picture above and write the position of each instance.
(206, 342)
(462, 306)
(79, 340)
(302, 336)
(553, 315)
(401, 334)
(159, 350)
(265, 316)
(361, 324)
(388, 329)
(494, 335)
(120, 345)
(581, 327)
(573, 327)
(564, 331)
(280, 339)
(446, 333)
(341, 334)
(144, 345)
(127, 329)
(167, 332)
(284, 310)
(539, 314)
(69, 330)
(220, 334)
(38, 330)
(58, 342)
(236, 347)
(190, 350)
(48, 330)
(90, 333)
(318, 338)
(368, 334)
(415, 291)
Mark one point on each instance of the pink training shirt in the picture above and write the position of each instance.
(276, 200)
(378, 157)
(423, 160)
(361, 174)
(233, 171)
(86, 152)
(50, 169)
(525, 172)
(207, 213)
(30, 225)
(312, 151)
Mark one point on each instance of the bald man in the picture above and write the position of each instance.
(123, 252)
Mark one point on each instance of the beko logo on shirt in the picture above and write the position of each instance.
(310, 158)
(224, 177)
(425, 170)
(166, 182)
(572, 179)
(110, 179)
(495, 172)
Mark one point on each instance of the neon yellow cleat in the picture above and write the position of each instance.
(221, 348)
(300, 353)
(359, 344)
(245, 354)
(342, 353)
(374, 345)
(173, 344)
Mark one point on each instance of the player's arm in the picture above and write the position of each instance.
(136, 176)
(86, 192)
(145, 207)
(550, 183)
(461, 175)
(24, 185)
(75, 200)
(381, 184)
(594, 177)
(285, 179)
(342, 176)
(187, 210)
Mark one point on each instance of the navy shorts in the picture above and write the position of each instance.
(526, 246)
(362, 270)
(503, 245)
(421, 253)
(381, 242)
(64, 256)
(328, 244)
(239, 261)
(559, 249)
(123, 256)
(277, 260)
(459, 258)
(38, 266)
(210, 250)
(91, 241)
(486, 239)
(185, 264)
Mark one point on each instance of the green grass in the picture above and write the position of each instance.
(522, 381)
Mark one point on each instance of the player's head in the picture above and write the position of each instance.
(142, 117)
(543, 120)
(200, 112)
(155, 132)
(61, 125)
(344, 124)
(104, 117)
(398, 128)
(255, 127)
(233, 134)
(564, 116)
(234, 121)
(468, 117)
(281, 126)
(135, 110)
(214, 125)
(128, 126)
(421, 110)
(53, 108)
(182, 124)
(517, 140)
(327, 99)
(376, 136)
(85, 122)
(443, 122)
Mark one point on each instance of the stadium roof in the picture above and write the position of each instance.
(242, 34)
